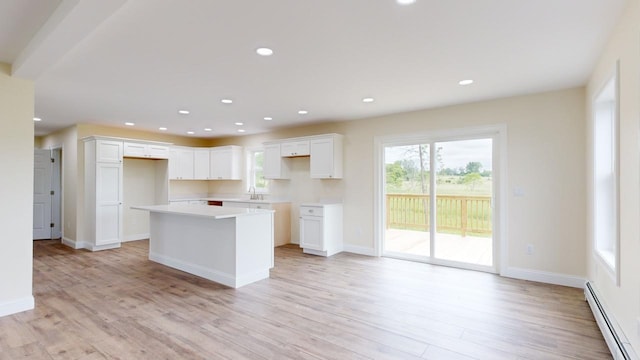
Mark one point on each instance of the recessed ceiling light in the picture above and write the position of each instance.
(264, 51)
(240, 130)
(303, 112)
(268, 118)
(239, 123)
(367, 100)
(190, 132)
(162, 129)
(183, 112)
(226, 101)
(208, 129)
(129, 123)
(37, 119)
(405, 2)
(465, 82)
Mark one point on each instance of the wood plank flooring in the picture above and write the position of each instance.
(116, 304)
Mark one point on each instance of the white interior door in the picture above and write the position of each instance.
(42, 194)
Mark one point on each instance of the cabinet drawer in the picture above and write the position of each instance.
(311, 211)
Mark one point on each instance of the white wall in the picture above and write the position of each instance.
(16, 191)
(139, 180)
(546, 141)
(624, 300)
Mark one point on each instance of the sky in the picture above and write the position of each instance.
(455, 154)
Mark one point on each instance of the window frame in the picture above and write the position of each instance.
(251, 170)
(607, 99)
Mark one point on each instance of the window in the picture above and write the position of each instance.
(255, 161)
(605, 176)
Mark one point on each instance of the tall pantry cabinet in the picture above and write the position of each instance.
(103, 193)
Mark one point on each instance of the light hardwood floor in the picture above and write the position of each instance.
(116, 304)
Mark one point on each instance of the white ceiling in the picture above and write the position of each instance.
(142, 60)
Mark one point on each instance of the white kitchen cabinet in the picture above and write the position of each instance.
(281, 218)
(275, 166)
(294, 148)
(103, 193)
(145, 150)
(181, 163)
(326, 157)
(225, 163)
(321, 229)
(201, 167)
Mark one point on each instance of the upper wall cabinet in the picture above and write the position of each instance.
(181, 163)
(146, 150)
(325, 153)
(225, 163)
(294, 148)
(275, 166)
(217, 163)
(326, 157)
(107, 151)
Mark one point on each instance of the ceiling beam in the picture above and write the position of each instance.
(70, 23)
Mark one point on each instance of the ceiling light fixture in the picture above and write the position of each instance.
(183, 112)
(239, 123)
(226, 101)
(264, 51)
(37, 119)
(240, 130)
(129, 123)
(208, 129)
(465, 82)
(303, 112)
(405, 2)
(162, 129)
(367, 100)
(268, 118)
(190, 132)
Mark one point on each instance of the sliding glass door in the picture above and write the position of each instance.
(438, 201)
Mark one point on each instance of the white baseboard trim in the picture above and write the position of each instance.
(102, 247)
(544, 277)
(361, 250)
(16, 306)
(73, 244)
(136, 237)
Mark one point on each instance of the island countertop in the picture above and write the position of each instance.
(214, 212)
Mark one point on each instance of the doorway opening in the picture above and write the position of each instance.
(437, 199)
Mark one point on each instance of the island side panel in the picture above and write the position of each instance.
(254, 254)
(198, 245)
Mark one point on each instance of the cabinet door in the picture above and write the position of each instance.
(311, 233)
(274, 166)
(135, 149)
(158, 151)
(108, 151)
(173, 164)
(295, 148)
(108, 203)
(201, 164)
(321, 163)
(185, 164)
(220, 164)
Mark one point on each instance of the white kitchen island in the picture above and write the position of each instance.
(231, 246)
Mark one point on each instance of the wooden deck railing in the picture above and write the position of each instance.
(454, 213)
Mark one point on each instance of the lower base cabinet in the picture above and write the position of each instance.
(281, 218)
(321, 229)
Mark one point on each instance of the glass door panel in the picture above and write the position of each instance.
(464, 189)
(407, 189)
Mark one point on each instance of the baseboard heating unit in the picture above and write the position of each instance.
(616, 341)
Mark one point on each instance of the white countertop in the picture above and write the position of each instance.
(214, 212)
(231, 198)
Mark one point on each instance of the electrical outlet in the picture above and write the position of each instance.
(529, 249)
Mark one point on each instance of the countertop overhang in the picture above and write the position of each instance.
(214, 212)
